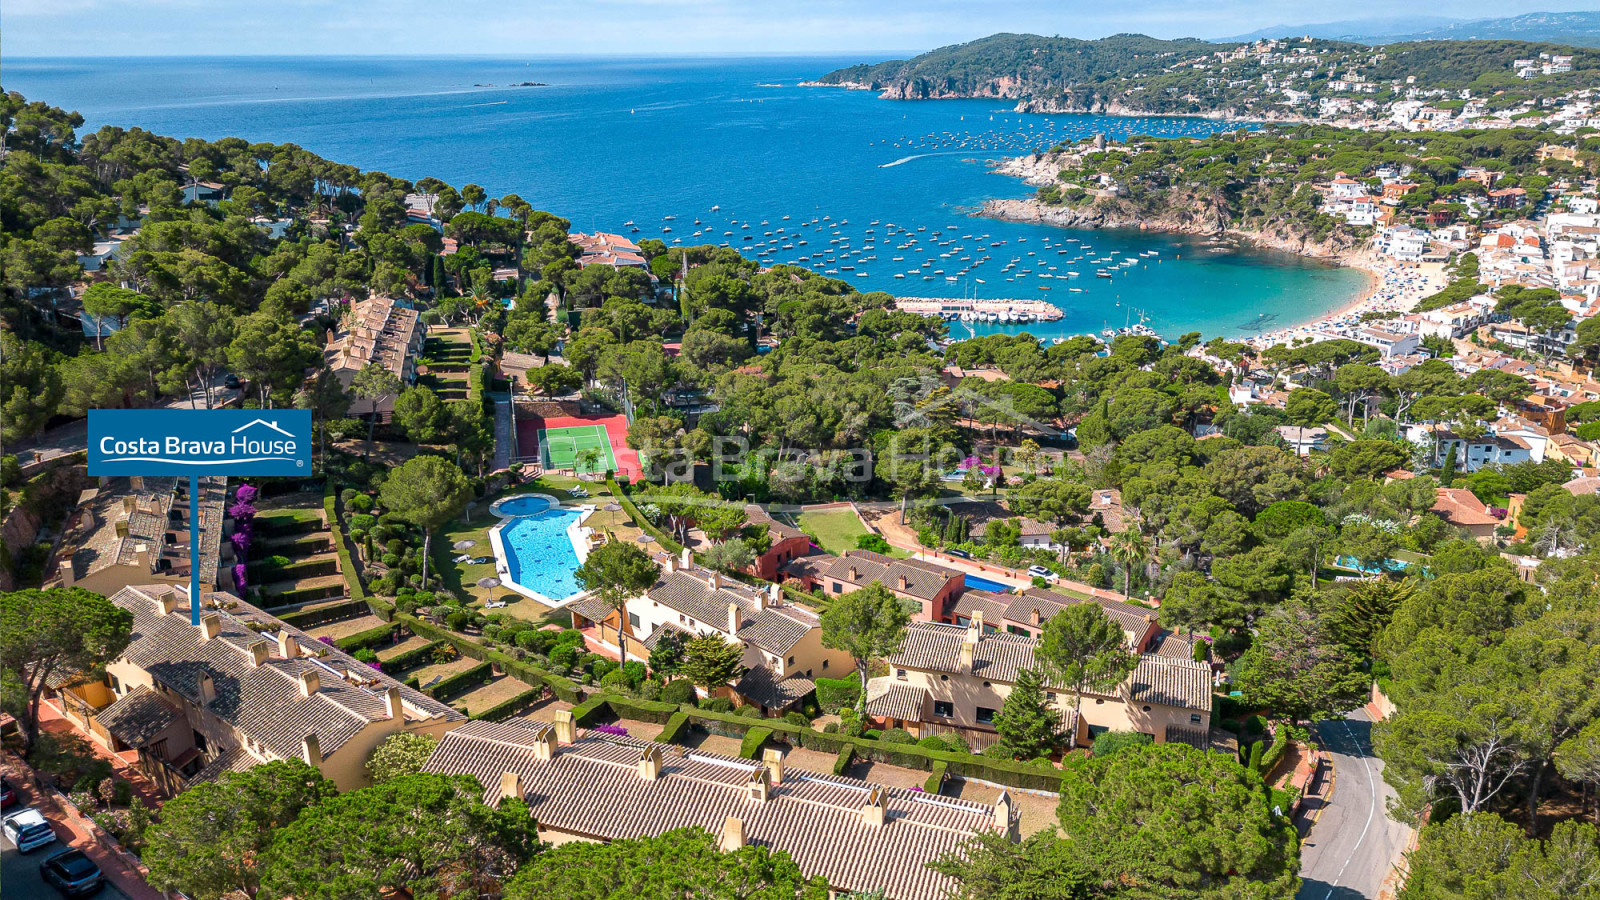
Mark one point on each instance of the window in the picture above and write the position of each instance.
(1050, 695)
(985, 715)
(944, 677)
(791, 660)
(116, 686)
(838, 588)
(633, 620)
(944, 709)
(200, 742)
(824, 664)
(1016, 630)
(900, 674)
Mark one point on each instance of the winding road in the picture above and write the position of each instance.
(1353, 844)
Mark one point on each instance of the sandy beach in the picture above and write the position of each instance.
(1392, 287)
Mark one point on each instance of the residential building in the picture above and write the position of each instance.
(1461, 508)
(1390, 343)
(932, 587)
(1472, 454)
(1026, 613)
(605, 249)
(135, 530)
(240, 689)
(788, 543)
(377, 330)
(949, 677)
(585, 786)
(782, 640)
(1303, 441)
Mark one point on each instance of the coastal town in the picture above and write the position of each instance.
(688, 559)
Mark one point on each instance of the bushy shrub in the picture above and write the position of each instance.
(795, 717)
(634, 674)
(933, 742)
(361, 503)
(650, 689)
(405, 605)
(564, 655)
(457, 621)
(831, 728)
(957, 742)
(718, 704)
(366, 655)
(678, 691)
(527, 640)
(396, 546)
(615, 680)
(996, 751)
(849, 722)
(897, 736)
(390, 560)
(364, 522)
(749, 711)
(1110, 743)
(834, 694)
(491, 631)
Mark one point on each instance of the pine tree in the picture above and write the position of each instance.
(1028, 725)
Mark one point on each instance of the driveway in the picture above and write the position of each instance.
(1353, 844)
(20, 873)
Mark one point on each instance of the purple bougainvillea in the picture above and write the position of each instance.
(968, 463)
(245, 494)
(242, 512)
(238, 576)
(326, 640)
(376, 665)
(617, 730)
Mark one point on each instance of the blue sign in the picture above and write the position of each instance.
(199, 442)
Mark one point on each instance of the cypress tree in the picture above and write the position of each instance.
(1447, 475)
(1029, 727)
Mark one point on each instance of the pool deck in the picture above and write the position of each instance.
(577, 533)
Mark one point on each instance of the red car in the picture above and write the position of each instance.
(8, 794)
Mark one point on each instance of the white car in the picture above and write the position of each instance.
(1042, 572)
(28, 830)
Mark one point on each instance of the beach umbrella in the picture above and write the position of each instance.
(463, 544)
(489, 583)
(611, 513)
(644, 538)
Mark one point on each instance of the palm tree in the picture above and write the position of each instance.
(1129, 548)
(586, 460)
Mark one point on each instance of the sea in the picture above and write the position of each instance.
(708, 150)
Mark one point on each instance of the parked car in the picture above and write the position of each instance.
(1042, 572)
(959, 553)
(28, 829)
(72, 873)
(8, 794)
(231, 381)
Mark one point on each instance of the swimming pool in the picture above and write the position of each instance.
(984, 584)
(537, 547)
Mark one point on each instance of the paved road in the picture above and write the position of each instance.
(19, 873)
(1354, 843)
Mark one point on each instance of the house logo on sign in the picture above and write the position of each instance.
(222, 442)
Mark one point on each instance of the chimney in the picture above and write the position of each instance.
(969, 651)
(732, 835)
(393, 708)
(714, 581)
(566, 731)
(975, 626)
(734, 618)
(544, 745)
(686, 559)
(259, 652)
(288, 648)
(854, 575)
(210, 626)
(142, 551)
(672, 564)
(208, 689)
(136, 482)
(1003, 819)
(67, 575)
(311, 750)
(872, 812)
(903, 582)
(1033, 616)
(168, 601)
(772, 758)
(760, 785)
(130, 503)
(773, 596)
(510, 785)
(650, 763)
(310, 681)
(122, 527)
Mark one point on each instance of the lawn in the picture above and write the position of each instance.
(836, 530)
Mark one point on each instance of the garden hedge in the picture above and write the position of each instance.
(935, 778)
(753, 739)
(645, 525)
(505, 709)
(304, 595)
(461, 682)
(372, 637)
(847, 755)
(412, 658)
(310, 618)
(674, 730)
(564, 688)
(347, 566)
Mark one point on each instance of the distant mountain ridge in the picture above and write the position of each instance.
(1577, 29)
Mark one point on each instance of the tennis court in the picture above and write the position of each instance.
(559, 448)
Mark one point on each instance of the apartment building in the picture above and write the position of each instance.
(932, 587)
(240, 689)
(377, 330)
(863, 838)
(136, 530)
(950, 677)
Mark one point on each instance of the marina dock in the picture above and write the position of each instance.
(993, 309)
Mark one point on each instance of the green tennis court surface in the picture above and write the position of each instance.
(559, 448)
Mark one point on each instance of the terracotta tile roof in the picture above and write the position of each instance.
(263, 702)
(593, 787)
(1171, 682)
(757, 515)
(924, 580)
(233, 759)
(112, 521)
(761, 685)
(138, 716)
(993, 606)
(898, 701)
(1133, 619)
(1461, 507)
(774, 629)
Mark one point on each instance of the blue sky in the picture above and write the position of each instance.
(647, 27)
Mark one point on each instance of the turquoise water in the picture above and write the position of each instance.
(530, 505)
(609, 141)
(539, 554)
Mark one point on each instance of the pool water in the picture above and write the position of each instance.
(529, 505)
(539, 555)
(983, 584)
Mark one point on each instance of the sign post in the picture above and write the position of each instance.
(195, 442)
